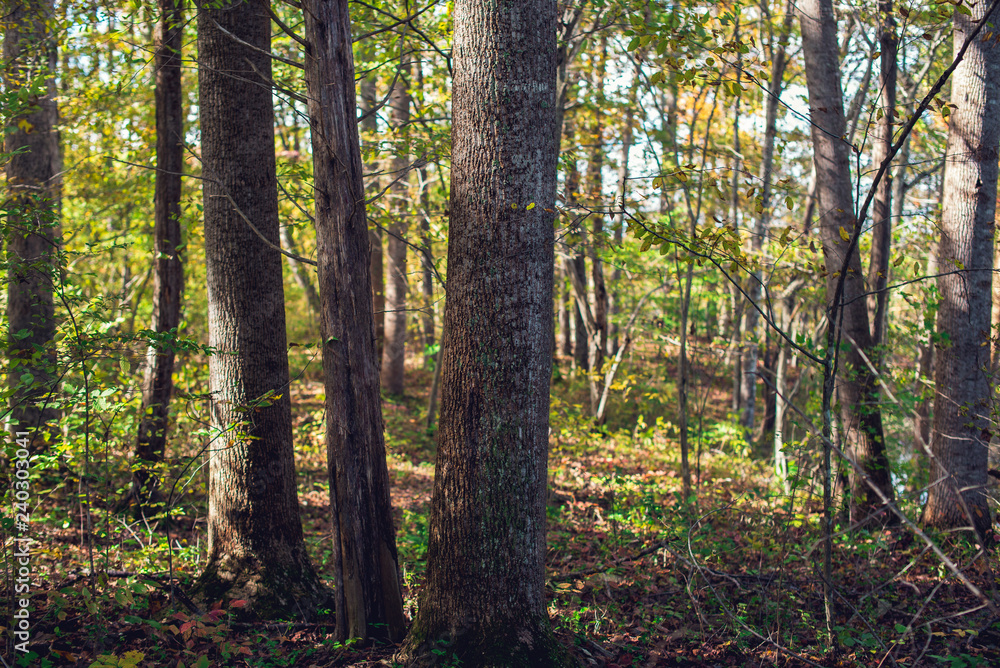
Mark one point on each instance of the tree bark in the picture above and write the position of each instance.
(255, 546)
(367, 594)
(168, 274)
(29, 51)
(396, 313)
(960, 440)
(878, 268)
(859, 400)
(484, 602)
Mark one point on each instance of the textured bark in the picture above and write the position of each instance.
(376, 265)
(859, 400)
(960, 440)
(255, 550)
(168, 271)
(878, 267)
(484, 602)
(396, 314)
(29, 52)
(367, 594)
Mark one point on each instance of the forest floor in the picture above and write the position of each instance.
(636, 575)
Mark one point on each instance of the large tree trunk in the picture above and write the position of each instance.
(367, 594)
(878, 268)
(484, 602)
(961, 436)
(859, 399)
(168, 276)
(396, 314)
(255, 546)
(29, 51)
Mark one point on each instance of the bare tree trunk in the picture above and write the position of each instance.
(860, 410)
(565, 310)
(367, 594)
(168, 275)
(921, 414)
(255, 546)
(299, 273)
(376, 265)
(595, 190)
(960, 441)
(748, 379)
(484, 602)
(878, 268)
(29, 51)
(396, 313)
(427, 260)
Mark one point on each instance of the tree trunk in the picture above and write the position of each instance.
(484, 602)
(860, 410)
(595, 188)
(961, 436)
(921, 414)
(565, 310)
(376, 266)
(168, 276)
(367, 594)
(299, 273)
(748, 378)
(878, 268)
(255, 546)
(29, 51)
(576, 267)
(396, 313)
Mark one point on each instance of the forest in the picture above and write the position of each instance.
(499, 333)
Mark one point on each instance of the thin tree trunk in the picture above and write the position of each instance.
(484, 602)
(367, 593)
(860, 410)
(255, 546)
(576, 268)
(878, 268)
(376, 267)
(595, 195)
(168, 276)
(299, 273)
(921, 415)
(748, 379)
(565, 310)
(961, 436)
(396, 313)
(427, 260)
(736, 294)
(29, 51)
(614, 305)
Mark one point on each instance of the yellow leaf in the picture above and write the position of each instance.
(844, 235)
(530, 206)
(25, 126)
